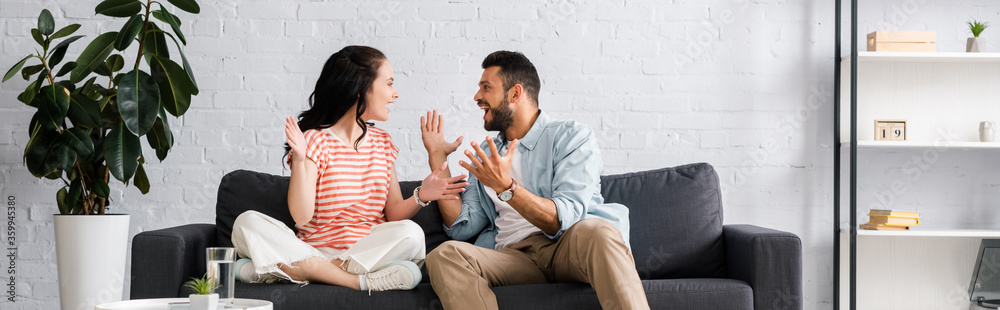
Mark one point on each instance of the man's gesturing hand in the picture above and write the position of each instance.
(432, 132)
(492, 171)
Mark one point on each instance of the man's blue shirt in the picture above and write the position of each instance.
(560, 161)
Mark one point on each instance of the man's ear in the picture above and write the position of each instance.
(516, 93)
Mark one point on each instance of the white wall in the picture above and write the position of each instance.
(744, 85)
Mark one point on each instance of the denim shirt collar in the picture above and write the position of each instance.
(531, 138)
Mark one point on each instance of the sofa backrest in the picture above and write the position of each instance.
(675, 215)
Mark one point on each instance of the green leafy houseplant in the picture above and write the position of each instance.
(203, 285)
(977, 27)
(87, 129)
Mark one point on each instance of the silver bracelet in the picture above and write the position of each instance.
(416, 196)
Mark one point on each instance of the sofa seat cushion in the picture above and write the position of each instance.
(686, 294)
(322, 296)
(681, 294)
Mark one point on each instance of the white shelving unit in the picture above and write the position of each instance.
(943, 97)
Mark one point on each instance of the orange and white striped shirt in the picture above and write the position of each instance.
(351, 189)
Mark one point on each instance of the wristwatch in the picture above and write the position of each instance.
(509, 193)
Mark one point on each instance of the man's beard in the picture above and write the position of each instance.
(503, 116)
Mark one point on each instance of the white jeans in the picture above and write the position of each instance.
(270, 243)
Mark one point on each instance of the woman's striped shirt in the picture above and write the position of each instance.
(351, 189)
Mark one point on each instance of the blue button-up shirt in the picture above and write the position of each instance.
(561, 161)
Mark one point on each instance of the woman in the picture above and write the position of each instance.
(352, 221)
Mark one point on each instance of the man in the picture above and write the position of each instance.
(536, 210)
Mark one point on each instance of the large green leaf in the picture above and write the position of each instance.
(156, 43)
(45, 22)
(28, 71)
(93, 56)
(101, 188)
(138, 101)
(69, 66)
(187, 67)
(118, 8)
(37, 35)
(75, 193)
(28, 94)
(36, 154)
(115, 62)
(122, 151)
(189, 6)
(60, 51)
(69, 86)
(13, 70)
(128, 32)
(61, 196)
(141, 180)
(78, 140)
(159, 15)
(83, 111)
(54, 104)
(65, 31)
(64, 155)
(104, 69)
(173, 24)
(160, 138)
(175, 86)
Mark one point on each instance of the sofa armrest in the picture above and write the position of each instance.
(163, 259)
(770, 261)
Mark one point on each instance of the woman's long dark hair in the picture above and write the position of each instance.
(346, 79)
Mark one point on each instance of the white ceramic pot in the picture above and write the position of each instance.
(90, 252)
(204, 302)
(975, 45)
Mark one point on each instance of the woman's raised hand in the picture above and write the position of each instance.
(435, 188)
(295, 140)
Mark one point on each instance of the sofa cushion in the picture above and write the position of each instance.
(680, 294)
(244, 190)
(675, 216)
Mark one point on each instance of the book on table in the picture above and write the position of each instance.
(893, 220)
(900, 213)
(870, 226)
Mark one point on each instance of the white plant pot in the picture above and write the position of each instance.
(975, 45)
(204, 302)
(90, 252)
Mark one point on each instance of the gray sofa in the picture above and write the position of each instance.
(685, 256)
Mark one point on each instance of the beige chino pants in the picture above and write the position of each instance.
(591, 251)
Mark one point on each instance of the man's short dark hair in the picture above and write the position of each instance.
(515, 68)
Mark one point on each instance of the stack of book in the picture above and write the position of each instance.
(891, 220)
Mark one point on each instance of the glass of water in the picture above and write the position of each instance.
(220, 268)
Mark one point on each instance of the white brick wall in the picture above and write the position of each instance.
(744, 85)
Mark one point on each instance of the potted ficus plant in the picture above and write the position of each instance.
(204, 297)
(90, 116)
(976, 44)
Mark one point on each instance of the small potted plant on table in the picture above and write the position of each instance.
(204, 297)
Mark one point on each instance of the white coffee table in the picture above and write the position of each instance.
(161, 304)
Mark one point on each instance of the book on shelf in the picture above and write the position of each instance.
(870, 226)
(901, 213)
(893, 220)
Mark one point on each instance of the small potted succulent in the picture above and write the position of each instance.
(204, 297)
(976, 44)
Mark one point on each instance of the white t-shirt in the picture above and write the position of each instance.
(511, 226)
